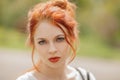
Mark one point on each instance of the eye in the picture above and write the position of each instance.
(60, 39)
(42, 42)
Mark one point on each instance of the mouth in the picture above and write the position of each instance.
(54, 59)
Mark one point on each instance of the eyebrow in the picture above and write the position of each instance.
(55, 37)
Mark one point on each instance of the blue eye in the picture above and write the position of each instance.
(42, 42)
(60, 39)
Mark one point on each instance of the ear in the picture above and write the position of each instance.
(28, 42)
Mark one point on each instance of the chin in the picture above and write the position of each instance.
(57, 65)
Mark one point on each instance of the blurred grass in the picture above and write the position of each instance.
(11, 38)
(90, 46)
(93, 46)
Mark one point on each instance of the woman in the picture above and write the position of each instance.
(53, 35)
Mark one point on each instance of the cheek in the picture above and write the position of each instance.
(41, 50)
(64, 48)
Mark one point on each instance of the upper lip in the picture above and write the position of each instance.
(53, 57)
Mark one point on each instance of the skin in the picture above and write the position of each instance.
(49, 41)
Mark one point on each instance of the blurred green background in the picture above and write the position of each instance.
(98, 20)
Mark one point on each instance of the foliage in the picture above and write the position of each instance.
(13, 11)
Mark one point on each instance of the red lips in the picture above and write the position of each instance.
(54, 59)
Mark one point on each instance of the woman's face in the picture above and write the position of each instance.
(51, 45)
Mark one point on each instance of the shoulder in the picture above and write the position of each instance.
(26, 76)
(85, 74)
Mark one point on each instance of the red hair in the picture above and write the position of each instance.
(58, 12)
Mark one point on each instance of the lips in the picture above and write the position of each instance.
(54, 59)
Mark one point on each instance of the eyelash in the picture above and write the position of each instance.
(42, 42)
(60, 39)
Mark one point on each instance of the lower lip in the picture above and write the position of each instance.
(54, 60)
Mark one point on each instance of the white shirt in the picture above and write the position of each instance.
(30, 76)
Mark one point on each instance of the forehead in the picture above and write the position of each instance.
(47, 29)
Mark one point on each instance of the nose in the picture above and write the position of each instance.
(52, 48)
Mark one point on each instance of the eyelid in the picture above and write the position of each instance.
(60, 36)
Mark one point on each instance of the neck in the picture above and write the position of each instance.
(53, 73)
